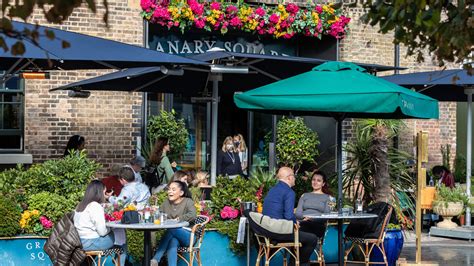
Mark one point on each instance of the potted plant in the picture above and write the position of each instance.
(393, 244)
(448, 203)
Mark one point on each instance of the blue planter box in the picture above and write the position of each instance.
(26, 250)
(393, 244)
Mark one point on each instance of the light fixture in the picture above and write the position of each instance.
(35, 75)
(78, 94)
(172, 72)
(229, 69)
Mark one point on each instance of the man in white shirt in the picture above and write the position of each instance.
(132, 191)
(137, 164)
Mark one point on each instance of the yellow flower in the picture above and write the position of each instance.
(281, 8)
(328, 9)
(35, 212)
(315, 17)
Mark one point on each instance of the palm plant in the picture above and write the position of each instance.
(374, 167)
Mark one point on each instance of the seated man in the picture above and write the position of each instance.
(132, 191)
(279, 204)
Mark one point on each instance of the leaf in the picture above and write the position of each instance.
(49, 34)
(18, 48)
(65, 44)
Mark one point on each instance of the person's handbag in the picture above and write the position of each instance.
(130, 217)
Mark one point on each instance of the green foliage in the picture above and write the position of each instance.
(158, 198)
(167, 125)
(445, 194)
(444, 28)
(260, 177)
(391, 226)
(302, 185)
(11, 214)
(459, 172)
(296, 143)
(51, 205)
(229, 228)
(446, 155)
(135, 245)
(227, 192)
(66, 176)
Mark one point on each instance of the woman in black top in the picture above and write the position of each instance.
(228, 161)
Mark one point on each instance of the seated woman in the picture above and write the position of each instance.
(182, 176)
(314, 203)
(89, 219)
(179, 206)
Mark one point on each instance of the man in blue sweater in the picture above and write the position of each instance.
(279, 204)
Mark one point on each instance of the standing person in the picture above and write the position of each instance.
(137, 164)
(445, 176)
(89, 219)
(314, 203)
(75, 144)
(279, 204)
(132, 191)
(241, 148)
(179, 206)
(228, 161)
(159, 159)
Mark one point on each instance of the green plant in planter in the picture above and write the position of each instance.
(260, 177)
(11, 214)
(295, 143)
(51, 205)
(167, 125)
(392, 226)
(444, 195)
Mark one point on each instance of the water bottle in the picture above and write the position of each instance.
(359, 206)
(147, 214)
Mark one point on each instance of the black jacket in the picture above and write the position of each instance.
(228, 163)
(64, 246)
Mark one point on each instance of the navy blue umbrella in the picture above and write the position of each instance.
(85, 52)
(443, 85)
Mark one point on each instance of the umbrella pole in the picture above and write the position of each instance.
(341, 250)
(469, 93)
(215, 105)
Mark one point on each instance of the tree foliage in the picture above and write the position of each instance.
(444, 28)
(54, 11)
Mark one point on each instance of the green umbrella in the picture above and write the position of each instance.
(339, 90)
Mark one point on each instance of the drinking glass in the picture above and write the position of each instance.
(163, 217)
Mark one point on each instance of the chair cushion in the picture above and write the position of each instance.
(185, 249)
(106, 252)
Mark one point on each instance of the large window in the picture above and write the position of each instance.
(11, 115)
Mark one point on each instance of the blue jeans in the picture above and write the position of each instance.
(103, 242)
(170, 242)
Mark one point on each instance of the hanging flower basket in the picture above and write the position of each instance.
(281, 21)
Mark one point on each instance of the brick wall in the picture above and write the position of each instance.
(109, 121)
(365, 44)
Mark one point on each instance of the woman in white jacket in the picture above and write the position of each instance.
(89, 219)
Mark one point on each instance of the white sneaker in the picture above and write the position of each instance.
(153, 262)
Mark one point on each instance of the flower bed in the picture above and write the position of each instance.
(278, 21)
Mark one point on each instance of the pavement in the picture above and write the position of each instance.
(444, 251)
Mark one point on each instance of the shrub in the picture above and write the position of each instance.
(167, 125)
(228, 192)
(11, 215)
(296, 143)
(51, 205)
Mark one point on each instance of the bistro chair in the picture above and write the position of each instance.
(270, 248)
(367, 244)
(318, 251)
(194, 248)
(102, 255)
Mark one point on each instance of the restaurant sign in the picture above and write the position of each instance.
(196, 43)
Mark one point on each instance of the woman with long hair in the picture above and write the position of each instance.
(75, 143)
(241, 148)
(228, 161)
(314, 203)
(179, 206)
(159, 159)
(89, 219)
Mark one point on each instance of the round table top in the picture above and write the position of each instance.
(148, 226)
(337, 216)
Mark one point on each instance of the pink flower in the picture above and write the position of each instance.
(146, 4)
(45, 222)
(292, 8)
(274, 18)
(215, 6)
(260, 11)
(176, 23)
(319, 9)
(235, 22)
(196, 7)
(199, 23)
(224, 215)
(232, 9)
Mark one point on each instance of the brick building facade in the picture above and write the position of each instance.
(111, 121)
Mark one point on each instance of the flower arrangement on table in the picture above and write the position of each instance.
(32, 222)
(281, 21)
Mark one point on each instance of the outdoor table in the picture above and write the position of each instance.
(147, 228)
(340, 217)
